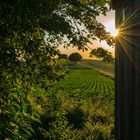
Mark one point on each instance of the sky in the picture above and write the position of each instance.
(109, 22)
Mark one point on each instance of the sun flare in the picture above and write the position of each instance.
(115, 32)
(110, 27)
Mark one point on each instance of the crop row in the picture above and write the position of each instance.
(89, 83)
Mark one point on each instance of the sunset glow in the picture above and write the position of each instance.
(109, 23)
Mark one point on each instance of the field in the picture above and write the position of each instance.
(82, 104)
(89, 78)
(106, 69)
(87, 82)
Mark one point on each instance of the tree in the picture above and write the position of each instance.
(108, 58)
(30, 33)
(102, 53)
(76, 57)
(99, 52)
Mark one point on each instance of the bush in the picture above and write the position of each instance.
(69, 118)
(76, 57)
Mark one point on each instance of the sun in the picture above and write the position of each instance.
(115, 32)
(110, 27)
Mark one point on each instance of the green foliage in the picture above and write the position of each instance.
(30, 33)
(102, 53)
(76, 57)
(70, 118)
(60, 114)
(84, 105)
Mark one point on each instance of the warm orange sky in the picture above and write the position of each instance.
(109, 22)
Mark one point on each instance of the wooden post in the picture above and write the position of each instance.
(127, 97)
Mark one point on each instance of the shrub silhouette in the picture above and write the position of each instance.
(76, 57)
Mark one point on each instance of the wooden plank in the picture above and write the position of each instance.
(127, 108)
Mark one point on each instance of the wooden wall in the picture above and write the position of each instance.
(127, 103)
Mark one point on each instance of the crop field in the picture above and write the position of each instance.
(83, 103)
(87, 82)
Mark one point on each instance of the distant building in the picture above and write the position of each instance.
(127, 111)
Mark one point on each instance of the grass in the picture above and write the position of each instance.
(107, 69)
